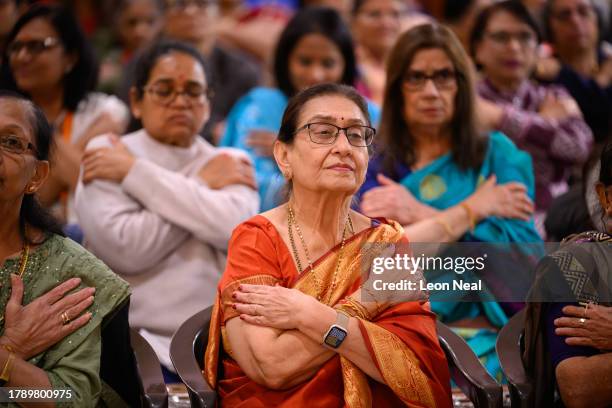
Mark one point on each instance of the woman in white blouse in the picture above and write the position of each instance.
(159, 206)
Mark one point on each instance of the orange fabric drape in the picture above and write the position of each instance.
(402, 340)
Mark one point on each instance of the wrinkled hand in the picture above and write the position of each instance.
(271, 306)
(262, 142)
(596, 331)
(33, 328)
(226, 169)
(392, 200)
(556, 107)
(509, 200)
(107, 163)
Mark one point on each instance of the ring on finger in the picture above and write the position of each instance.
(65, 318)
(582, 320)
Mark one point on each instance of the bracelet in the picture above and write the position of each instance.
(470, 214)
(358, 308)
(5, 375)
(445, 225)
(374, 298)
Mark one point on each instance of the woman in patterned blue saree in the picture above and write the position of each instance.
(441, 178)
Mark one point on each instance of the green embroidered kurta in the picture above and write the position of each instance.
(74, 362)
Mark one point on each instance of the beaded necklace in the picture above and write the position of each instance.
(291, 222)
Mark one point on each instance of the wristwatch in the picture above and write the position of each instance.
(337, 332)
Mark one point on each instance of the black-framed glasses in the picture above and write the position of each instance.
(524, 38)
(32, 47)
(165, 93)
(442, 79)
(326, 133)
(11, 143)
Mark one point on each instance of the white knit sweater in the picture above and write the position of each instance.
(164, 231)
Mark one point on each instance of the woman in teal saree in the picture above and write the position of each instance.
(441, 178)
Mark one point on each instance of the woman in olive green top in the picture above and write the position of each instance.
(50, 319)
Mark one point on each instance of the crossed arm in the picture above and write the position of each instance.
(289, 323)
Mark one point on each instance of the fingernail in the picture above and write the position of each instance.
(92, 290)
(90, 299)
(77, 280)
(240, 287)
(234, 295)
(234, 306)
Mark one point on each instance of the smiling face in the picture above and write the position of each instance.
(507, 51)
(43, 70)
(315, 60)
(176, 122)
(19, 173)
(338, 167)
(429, 105)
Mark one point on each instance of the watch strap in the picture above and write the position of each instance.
(342, 320)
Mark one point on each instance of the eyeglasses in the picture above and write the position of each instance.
(165, 93)
(14, 144)
(326, 134)
(442, 79)
(178, 4)
(524, 38)
(33, 47)
(565, 14)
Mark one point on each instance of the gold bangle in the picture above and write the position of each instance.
(470, 214)
(358, 308)
(5, 376)
(445, 225)
(374, 298)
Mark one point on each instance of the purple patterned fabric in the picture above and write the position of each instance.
(555, 145)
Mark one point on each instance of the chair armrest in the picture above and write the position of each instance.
(149, 371)
(185, 362)
(508, 347)
(467, 371)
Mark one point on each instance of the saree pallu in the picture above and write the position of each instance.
(580, 271)
(442, 184)
(402, 340)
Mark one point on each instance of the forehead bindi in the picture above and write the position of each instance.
(178, 67)
(332, 109)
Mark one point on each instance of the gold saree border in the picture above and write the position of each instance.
(399, 366)
(226, 296)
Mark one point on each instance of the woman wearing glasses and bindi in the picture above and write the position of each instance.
(159, 206)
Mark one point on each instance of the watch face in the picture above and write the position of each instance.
(335, 337)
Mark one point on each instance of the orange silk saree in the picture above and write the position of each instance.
(402, 340)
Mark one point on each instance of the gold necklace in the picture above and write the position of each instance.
(292, 222)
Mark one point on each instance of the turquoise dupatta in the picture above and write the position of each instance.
(442, 184)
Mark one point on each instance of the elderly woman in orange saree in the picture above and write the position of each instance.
(294, 322)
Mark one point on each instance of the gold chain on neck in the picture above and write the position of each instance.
(291, 222)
